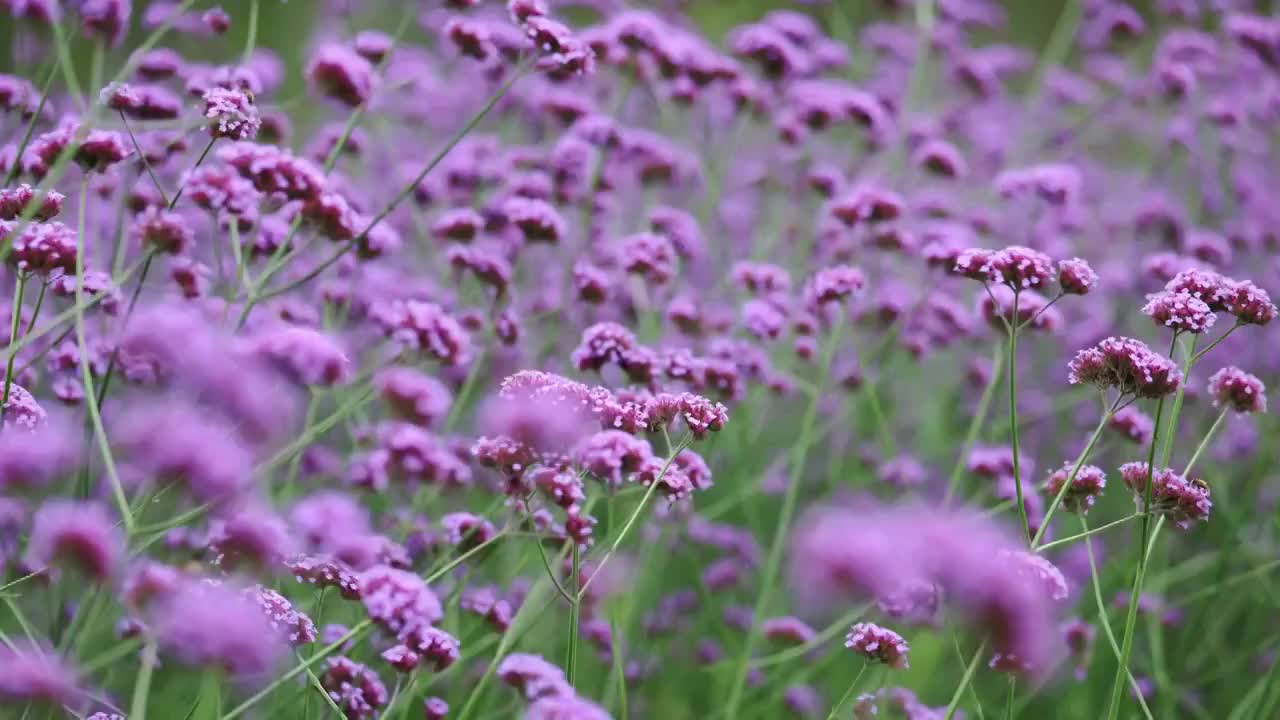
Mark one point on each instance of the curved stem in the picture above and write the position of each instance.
(1102, 614)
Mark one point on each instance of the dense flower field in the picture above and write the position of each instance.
(558, 361)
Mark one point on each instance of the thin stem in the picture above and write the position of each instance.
(1102, 613)
(575, 613)
(16, 167)
(142, 686)
(1204, 443)
(1081, 536)
(203, 154)
(16, 322)
(86, 377)
(635, 515)
(251, 38)
(853, 686)
(357, 630)
(799, 457)
(256, 295)
(35, 313)
(1196, 358)
(1013, 417)
(964, 681)
(975, 423)
(1126, 646)
(1071, 478)
(142, 157)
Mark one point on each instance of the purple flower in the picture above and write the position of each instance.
(1234, 388)
(1086, 486)
(14, 202)
(833, 284)
(306, 356)
(31, 673)
(1181, 311)
(881, 551)
(611, 453)
(787, 629)
(434, 708)
(80, 534)
(44, 248)
(296, 627)
(205, 623)
(163, 231)
(650, 256)
(106, 20)
(1127, 365)
(1134, 424)
(354, 688)
(878, 644)
(1249, 303)
(413, 395)
(396, 599)
(533, 676)
(233, 112)
(1075, 277)
(21, 412)
(424, 326)
(342, 74)
(565, 706)
(1183, 502)
(101, 149)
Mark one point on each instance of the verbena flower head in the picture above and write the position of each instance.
(1181, 311)
(1076, 277)
(205, 623)
(81, 535)
(1234, 388)
(878, 644)
(878, 551)
(15, 201)
(1128, 366)
(233, 114)
(45, 249)
(1183, 502)
(354, 688)
(342, 74)
(33, 673)
(1249, 303)
(1086, 486)
(1017, 267)
(1134, 424)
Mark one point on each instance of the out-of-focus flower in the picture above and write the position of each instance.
(1234, 388)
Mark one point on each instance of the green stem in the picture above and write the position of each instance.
(1075, 470)
(853, 686)
(635, 515)
(975, 423)
(86, 377)
(35, 313)
(1102, 614)
(31, 127)
(1204, 443)
(575, 612)
(16, 323)
(142, 157)
(1126, 646)
(964, 681)
(1081, 536)
(251, 39)
(799, 457)
(142, 686)
(1013, 417)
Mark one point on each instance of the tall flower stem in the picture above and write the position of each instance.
(1126, 646)
(774, 560)
(1013, 418)
(575, 614)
